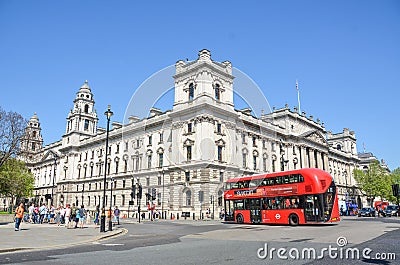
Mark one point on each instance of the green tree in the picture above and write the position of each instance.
(16, 180)
(375, 182)
(395, 178)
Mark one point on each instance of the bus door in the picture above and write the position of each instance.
(254, 205)
(229, 210)
(313, 210)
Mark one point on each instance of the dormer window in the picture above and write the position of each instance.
(191, 91)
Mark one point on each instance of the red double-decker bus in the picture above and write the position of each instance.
(304, 196)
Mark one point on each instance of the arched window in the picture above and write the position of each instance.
(217, 92)
(188, 195)
(86, 125)
(86, 108)
(191, 91)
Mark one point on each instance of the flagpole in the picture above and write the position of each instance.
(298, 95)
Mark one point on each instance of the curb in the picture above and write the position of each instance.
(118, 232)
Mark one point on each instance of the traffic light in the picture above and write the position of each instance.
(395, 189)
(133, 193)
(153, 193)
(140, 192)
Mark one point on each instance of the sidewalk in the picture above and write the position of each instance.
(48, 236)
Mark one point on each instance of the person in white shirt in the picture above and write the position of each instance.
(30, 211)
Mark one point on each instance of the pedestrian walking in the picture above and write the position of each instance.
(31, 213)
(82, 215)
(42, 213)
(117, 212)
(67, 215)
(96, 216)
(19, 214)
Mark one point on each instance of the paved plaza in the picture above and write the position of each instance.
(195, 242)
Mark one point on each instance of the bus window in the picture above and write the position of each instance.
(234, 185)
(255, 183)
(278, 180)
(246, 183)
(238, 205)
(285, 179)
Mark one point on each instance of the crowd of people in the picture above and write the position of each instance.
(70, 216)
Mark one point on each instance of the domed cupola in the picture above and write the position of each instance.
(82, 119)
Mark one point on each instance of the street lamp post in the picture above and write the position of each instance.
(54, 175)
(162, 197)
(282, 151)
(111, 200)
(139, 196)
(108, 114)
(83, 190)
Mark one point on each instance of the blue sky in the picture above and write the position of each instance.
(345, 55)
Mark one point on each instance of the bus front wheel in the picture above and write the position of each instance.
(239, 219)
(293, 219)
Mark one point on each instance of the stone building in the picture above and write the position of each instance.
(183, 155)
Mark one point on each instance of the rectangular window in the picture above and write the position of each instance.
(189, 153)
(160, 160)
(220, 153)
(187, 176)
(149, 161)
(264, 164)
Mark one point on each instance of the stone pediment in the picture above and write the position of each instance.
(50, 155)
(315, 136)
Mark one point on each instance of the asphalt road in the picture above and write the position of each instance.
(198, 242)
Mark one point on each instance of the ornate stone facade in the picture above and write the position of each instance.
(187, 152)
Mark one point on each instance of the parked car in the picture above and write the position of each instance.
(391, 210)
(366, 212)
